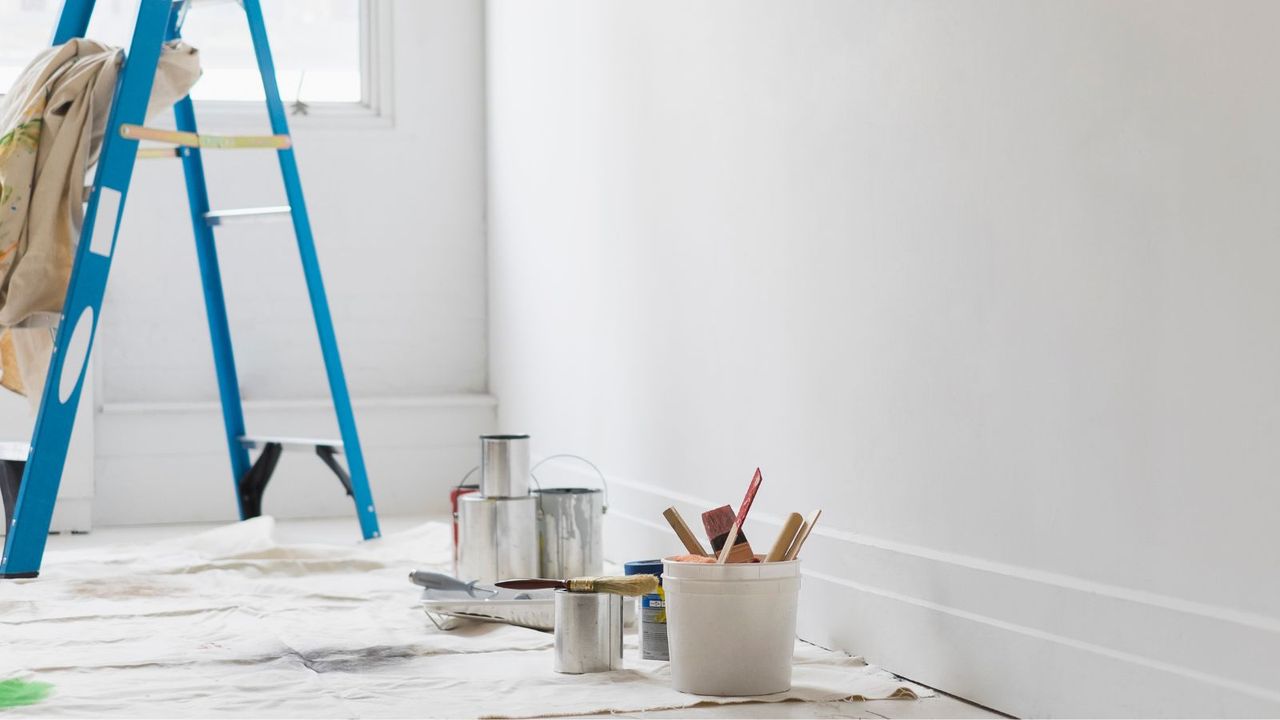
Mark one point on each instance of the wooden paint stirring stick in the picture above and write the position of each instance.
(683, 532)
(730, 541)
(803, 534)
(785, 537)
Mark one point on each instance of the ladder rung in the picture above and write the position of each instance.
(15, 450)
(193, 3)
(212, 142)
(254, 442)
(222, 217)
(159, 153)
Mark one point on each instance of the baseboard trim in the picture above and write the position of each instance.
(167, 462)
(1022, 640)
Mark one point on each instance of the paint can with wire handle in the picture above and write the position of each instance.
(571, 526)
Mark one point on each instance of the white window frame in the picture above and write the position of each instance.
(376, 84)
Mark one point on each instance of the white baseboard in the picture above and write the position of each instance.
(167, 462)
(72, 514)
(1024, 641)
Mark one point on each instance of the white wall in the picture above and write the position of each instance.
(992, 283)
(398, 209)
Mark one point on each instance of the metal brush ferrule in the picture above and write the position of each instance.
(584, 584)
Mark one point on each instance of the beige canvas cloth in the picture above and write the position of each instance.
(51, 129)
(235, 623)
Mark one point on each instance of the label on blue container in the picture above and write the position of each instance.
(653, 613)
(653, 627)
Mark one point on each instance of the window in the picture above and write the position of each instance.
(319, 46)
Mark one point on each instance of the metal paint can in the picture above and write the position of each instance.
(652, 612)
(571, 531)
(504, 465)
(588, 632)
(498, 538)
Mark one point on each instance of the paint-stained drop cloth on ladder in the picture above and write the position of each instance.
(52, 123)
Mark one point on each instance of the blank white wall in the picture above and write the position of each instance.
(992, 283)
(397, 206)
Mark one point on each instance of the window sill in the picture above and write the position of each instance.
(226, 116)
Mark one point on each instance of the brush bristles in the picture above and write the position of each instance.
(628, 585)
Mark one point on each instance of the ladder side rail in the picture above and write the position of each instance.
(73, 21)
(315, 283)
(214, 300)
(28, 532)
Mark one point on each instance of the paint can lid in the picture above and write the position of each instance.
(643, 567)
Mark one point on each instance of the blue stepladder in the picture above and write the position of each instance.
(30, 474)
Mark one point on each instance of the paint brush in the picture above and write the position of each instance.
(719, 523)
(683, 532)
(732, 541)
(785, 537)
(803, 535)
(629, 585)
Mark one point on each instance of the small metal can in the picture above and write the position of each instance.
(588, 632)
(504, 465)
(652, 612)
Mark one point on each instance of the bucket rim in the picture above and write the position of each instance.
(731, 572)
(686, 563)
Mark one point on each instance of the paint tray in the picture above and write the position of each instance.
(526, 608)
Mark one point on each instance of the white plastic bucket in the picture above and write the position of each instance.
(732, 627)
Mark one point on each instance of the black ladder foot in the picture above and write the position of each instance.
(10, 482)
(254, 482)
(13, 463)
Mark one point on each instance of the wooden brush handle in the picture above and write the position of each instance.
(803, 535)
(785, 537)
(531, 584)
(731, 541)
(683, 532)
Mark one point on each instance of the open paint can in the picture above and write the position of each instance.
(731, 628)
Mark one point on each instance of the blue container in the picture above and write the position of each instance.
(653, 612)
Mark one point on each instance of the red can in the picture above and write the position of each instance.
(454, 494)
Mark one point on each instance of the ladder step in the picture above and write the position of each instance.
(223, 217)
(254, 442)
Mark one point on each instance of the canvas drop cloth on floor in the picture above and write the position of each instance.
(231, 622)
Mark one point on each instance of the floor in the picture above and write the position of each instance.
(326, 530)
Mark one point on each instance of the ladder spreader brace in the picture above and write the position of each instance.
(30, 472)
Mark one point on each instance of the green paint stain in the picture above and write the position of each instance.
(14, 693)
